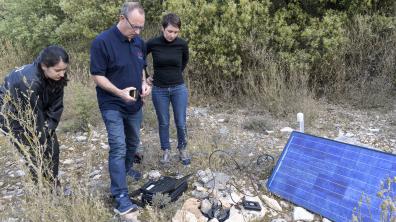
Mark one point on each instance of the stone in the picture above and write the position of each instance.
(81, 138)
(235, 215)
(206, 205)
(205, 176)
(213, 220)
(219, 182)
(224, 131)
(374, 130)
(94, 173)
(68, 161)
(154, 175)
(199, 194)
(300, 213)
(284, 204)
(286, 130)
(131, 217)
(184, 216)
(278, 220)
(20, 173)
(192, 205)
(272, 203)
(97, 177)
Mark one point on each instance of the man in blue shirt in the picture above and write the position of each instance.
(117, 61)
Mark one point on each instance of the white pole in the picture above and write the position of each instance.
(300, 120)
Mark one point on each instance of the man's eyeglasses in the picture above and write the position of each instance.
(134, 27)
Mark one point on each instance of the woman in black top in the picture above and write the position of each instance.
(170, 57)
(31, 105)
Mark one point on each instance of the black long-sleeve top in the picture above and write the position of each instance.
(169, 60)
(29, 86)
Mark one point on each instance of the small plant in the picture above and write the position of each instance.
(388, 196)
(161, 200)
(388, 203)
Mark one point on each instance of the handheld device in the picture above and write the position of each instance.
(133, 93)
(251, 205)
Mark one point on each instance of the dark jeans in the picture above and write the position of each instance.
(178, 97)
(123, 131)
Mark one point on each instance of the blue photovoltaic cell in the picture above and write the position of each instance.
(330, 177)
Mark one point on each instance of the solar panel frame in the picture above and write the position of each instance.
(329, 180)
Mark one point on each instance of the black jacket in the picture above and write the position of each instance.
(29, 85)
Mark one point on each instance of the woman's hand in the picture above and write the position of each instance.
(146, 89)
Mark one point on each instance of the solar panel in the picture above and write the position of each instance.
(330, 177)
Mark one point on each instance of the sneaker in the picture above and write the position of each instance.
(124, 205)
(136, 175)
(184, 158)
(165, 157)
(138, 158)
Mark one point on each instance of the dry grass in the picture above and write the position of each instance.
(11, 57)
(41, 200)
(362, 73)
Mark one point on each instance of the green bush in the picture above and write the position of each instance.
(216, 30)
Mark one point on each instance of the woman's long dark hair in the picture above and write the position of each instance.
(50, 57)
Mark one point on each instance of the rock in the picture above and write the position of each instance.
(81, 138)
(206, 205)
(1, 183)
(279, 220)
(272, 203)
(68, 161)
(184, 216)
(20, 173)
(262, 184)
(219, 182)
(224, 131)
(235, 215)
(154, 175)
(7, 197)
(374, 130)
(286, 130)
(199, 194)
(302, 214)
(326, 220)
(225, 202)
(94, 173)
(200, 111)
(205, 176)
(192, 205)
(284, 204)
(97, 177)
(213, 220)
(131, 217)
(104, 146)
(221, 120)
(199, 187)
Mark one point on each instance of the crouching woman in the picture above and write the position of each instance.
(31, 102)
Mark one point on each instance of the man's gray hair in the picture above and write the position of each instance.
(130, 6)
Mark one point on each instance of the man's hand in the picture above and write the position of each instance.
(125, 94)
